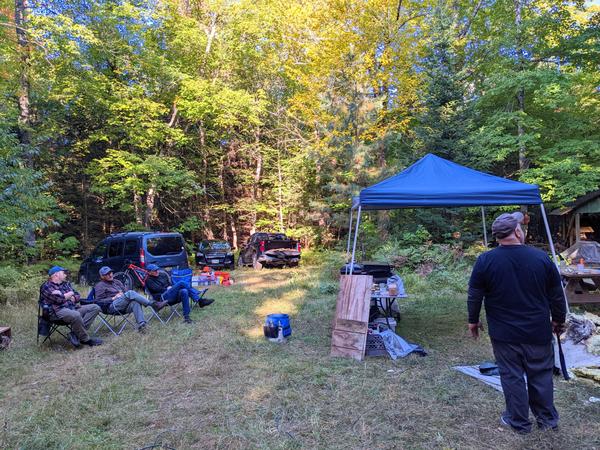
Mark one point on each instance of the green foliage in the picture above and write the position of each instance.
(10, 276)
(210, 117)
(56, 244)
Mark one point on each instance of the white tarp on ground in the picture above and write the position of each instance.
(473, 371)
(576, 355)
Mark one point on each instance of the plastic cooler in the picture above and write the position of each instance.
(282, 320)
(184, 275)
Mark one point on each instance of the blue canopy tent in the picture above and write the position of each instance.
(433, 182)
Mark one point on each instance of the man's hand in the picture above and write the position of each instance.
(558, 327)
(474, 329)
(69, 295)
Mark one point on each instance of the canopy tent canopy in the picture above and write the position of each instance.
(434, 182)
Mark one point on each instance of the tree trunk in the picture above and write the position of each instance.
(211, 31)
(149, 214)
(137, 207)
(280, 193)
(234, 236)
(523, 161)
(208, 233)
(222, 186)
(86, 224)
(24, 120)
(255, 188)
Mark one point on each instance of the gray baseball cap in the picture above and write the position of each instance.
(505, 224)
(105, 270)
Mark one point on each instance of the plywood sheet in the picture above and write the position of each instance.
(349, 336)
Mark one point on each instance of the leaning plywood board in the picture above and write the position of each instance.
(351, 321)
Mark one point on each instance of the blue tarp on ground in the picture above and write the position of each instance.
(435, 182)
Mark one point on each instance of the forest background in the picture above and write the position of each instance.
(217, 118)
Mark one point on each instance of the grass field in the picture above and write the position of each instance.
(219, 384)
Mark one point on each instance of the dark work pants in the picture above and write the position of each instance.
(537, 362)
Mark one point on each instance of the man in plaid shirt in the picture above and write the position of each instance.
(64, 305)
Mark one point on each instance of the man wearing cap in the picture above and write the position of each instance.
(159, 286)
(64, 302)
(524, 303)
(113, 295)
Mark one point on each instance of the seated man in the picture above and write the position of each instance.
(113, 294)
(159, 286)
(64, 305)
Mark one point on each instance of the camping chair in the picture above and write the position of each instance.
(173, 309)
(114, 321)
(48, 326)
(185, 275)
(202, 294)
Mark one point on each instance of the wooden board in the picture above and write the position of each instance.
(349, 336)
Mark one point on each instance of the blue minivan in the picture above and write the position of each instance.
(117, 251)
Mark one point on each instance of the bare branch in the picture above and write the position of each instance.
(467, 26)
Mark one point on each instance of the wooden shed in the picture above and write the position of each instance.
(580, 220)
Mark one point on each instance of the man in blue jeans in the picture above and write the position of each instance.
(113, 294)
(159, 285)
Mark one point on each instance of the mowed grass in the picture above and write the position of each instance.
(219, 384)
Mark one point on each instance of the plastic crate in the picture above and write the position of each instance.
(375, 346)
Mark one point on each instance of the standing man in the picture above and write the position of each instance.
(521, 291)
(159, 285)
(64, 302)
(113, 293)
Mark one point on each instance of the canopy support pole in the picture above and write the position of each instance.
(485, 241)
(553, 252)
(349, 233)
(349, 236)
(355, 236)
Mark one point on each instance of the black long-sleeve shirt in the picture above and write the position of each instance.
(521, 289)
(158, 285)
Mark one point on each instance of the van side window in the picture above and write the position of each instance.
(131, 248)
(165, 245)
(115, 249)
(99, 251)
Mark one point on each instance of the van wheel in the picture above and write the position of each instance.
(124, 278)
(255, 264)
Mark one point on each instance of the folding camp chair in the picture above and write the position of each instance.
(202, 294)
(173, 311)
(47, 326)
(113, 320)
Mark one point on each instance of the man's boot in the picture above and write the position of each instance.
(74, 340)
(157, 306)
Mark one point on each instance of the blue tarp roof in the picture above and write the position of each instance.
(435, 182)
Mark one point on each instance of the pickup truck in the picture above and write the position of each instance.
(269, 249)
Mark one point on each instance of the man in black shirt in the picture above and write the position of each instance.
(159, 285)
(521, 290)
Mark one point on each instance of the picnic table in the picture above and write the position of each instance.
(581, 286)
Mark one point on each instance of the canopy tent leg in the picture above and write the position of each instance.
(349, 236)
(349, 232)
(485, 241)
(355, 236)
(553, 252)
